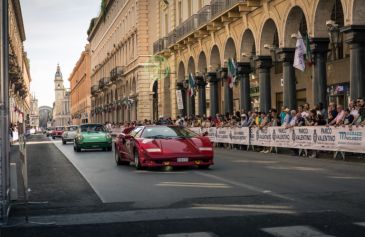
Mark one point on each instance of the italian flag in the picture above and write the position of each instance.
(231, 73)
(191, 84)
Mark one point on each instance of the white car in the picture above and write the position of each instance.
(69, 134)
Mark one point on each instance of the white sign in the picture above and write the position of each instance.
(180, 103)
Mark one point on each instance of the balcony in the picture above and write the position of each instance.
(103, 82)
(160, 45)
(116, 72)
(94, 90)
(208, 19)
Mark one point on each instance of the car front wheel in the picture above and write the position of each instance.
(63, 142)
(137, 163)
(117, 157)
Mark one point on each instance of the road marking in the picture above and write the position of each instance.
(193, 185)
(276, 209)
(256, 161)
(346, 177)
(246, 186)
(360, 224)
(295, 231)
(196, 234)
(299, 168)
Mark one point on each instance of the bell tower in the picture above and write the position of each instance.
(58, 83)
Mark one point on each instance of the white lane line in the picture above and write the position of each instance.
(246, 186)
(246, 208)
(193, 185)
(196, 234)
(295, 231)
(360, 224)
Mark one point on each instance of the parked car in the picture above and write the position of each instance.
(92, 136)
(57, 132)
(49, 131)
(163, 145)
(69, 134)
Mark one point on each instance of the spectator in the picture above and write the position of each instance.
(348, 118)
(287, 118)
(282, 115)
(332, 112)
(340, 116)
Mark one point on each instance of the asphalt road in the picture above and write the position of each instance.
(243, 194)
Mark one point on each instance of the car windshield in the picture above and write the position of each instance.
(92, 128)
(72, 128)
(164, 132)
(59, 129)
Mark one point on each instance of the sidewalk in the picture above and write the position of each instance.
(53, 179)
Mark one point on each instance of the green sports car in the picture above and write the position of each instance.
(92, 136)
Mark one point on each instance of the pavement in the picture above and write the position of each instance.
(243, 194)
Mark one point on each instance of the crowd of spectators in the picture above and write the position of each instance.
(335, 115)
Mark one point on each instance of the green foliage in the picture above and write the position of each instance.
(91, 26)
(103, 6)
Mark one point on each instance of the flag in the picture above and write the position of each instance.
(232, 73)
(300, 50)
(309, 51)
(191, 84)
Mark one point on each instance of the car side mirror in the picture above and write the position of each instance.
(205, 134)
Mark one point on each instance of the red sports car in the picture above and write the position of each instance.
(158, 146)
(57, 132)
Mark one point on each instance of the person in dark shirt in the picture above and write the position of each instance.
(349, 118)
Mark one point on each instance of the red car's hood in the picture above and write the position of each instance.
(182, 146)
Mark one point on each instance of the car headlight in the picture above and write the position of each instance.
(80, 137)
(205, 149)
(153, 150)
(108, 136)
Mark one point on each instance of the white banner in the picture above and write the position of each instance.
(312, 138)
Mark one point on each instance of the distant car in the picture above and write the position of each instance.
(57, 132)
(165, 145)
(49, 131)
(92, 136)
(69, 134)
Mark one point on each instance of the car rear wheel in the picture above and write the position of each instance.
(53, 137)
(117, 157)
(77, 148)
(137, 163)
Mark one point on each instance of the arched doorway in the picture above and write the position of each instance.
(328, 45)
(215, 82)
(230, 92)
(191, 96)
(267, 59)
(290, 95)
(248, 98)
(203, 89)
(180, 87)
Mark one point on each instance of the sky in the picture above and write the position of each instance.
(55, 33)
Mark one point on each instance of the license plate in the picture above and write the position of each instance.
(182, 159)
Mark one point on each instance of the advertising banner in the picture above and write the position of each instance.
(281, 137)
(239, 136)
(350, 139)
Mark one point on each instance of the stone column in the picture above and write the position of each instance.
(286, 55)
(263, 66)
(213, 81)
(244, 70)
(202, 96)
(319, 48)
(228, 92)
(355, 37)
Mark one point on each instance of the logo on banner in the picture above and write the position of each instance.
(315, 136)
(293, 135)
(273, 135)
(230, 134)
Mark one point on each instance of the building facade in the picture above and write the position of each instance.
(200, 37)
(34, 113)
(61, 106)
(19, 72)
(80, 83)
(121, 46)
(45, 116)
